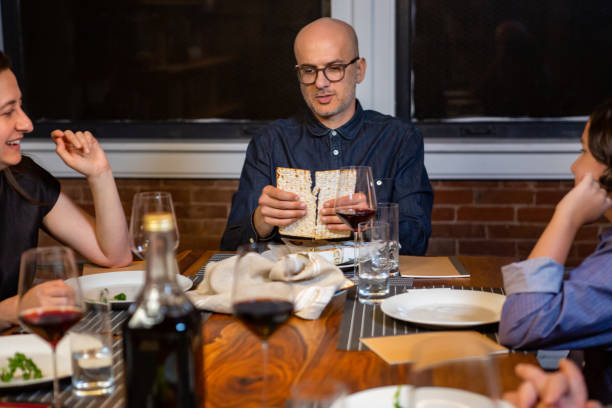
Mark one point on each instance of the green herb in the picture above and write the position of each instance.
(103, 297)
(20, 362)
(396, 395)
(120, 296)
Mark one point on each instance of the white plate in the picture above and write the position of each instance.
(429, 397)
(445, 307)
(40, 352)
(128, 282)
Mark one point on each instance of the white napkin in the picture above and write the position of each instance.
(314, 281)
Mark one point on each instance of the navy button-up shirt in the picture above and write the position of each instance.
(392, 147)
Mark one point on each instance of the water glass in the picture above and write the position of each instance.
(373, 261)
(91, 346)
(389, 213)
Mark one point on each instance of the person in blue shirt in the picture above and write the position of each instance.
(335, 132)
(544, 310)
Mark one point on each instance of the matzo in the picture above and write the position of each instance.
(299, 181)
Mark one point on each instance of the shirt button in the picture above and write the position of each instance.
(379, 182)
(334, 133)
(336, 152)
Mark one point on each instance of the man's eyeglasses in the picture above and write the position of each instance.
(334, 72)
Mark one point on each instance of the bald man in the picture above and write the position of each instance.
(336, 132)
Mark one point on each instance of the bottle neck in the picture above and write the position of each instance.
(160, 259)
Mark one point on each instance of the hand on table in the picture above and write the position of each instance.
(562, 389)
(81, 152)
(276, 208)
(51, 293)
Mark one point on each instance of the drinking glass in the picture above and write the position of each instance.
(50, 298)
(355, 199)
(444, 374)
(389, 213)
(261, 305)
(142, 204)
(373, 261)
(318, 394)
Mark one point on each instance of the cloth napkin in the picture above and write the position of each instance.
(314, 281)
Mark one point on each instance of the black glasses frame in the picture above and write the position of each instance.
(298, 70)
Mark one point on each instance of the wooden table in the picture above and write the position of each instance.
(305, 350)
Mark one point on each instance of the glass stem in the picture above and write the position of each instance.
(56, 400)
(264, 381)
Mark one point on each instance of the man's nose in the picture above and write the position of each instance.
(321, 81)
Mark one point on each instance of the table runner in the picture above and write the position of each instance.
(362, 321)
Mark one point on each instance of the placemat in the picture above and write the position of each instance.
(362, 320)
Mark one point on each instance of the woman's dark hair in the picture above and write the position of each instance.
(600, 140)
(5, 63)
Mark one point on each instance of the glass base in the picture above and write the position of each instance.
(373, 289)
(93, 392)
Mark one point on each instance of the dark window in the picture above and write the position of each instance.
(499, 58)
(150, 60)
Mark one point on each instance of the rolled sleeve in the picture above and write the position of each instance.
(533, 275)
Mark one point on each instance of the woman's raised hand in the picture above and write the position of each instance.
(81, 152)
(585, 203)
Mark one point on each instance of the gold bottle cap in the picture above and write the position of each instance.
(158, 222)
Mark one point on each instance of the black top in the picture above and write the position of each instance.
(20, 219)
(392, 147)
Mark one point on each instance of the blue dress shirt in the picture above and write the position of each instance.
(392, 147)
(544, 310)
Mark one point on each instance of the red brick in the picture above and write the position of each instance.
(445, 230)
(188, 184)
(214, 227)
(587, 233)
(504, 197)
(443, 214)
(229, 184)
(549, 197)
(440, 247)
(525, 185)
(212, 195)
(453, 197)
(524, 248)
(514, 231)
(470, 184)
(473, 213)
(550, 184)
(535, 214)
(487, 247)
(585, 249)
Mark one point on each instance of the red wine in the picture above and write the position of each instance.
(353, 217)
(51, 323)
(164, 364)
(263, 316)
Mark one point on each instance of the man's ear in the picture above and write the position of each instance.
(361, 69)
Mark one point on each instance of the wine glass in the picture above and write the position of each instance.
(50, 298)
(144, 203)
(260, 304)
(355, 200)
(457, 369)
(318, 394)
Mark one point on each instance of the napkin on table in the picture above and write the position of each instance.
(314, 281)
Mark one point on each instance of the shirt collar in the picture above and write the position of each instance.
(348, 131)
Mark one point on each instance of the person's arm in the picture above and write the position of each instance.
(543, 310)
(8, 312)
(103, 240)
(562, 389)
(413, 192)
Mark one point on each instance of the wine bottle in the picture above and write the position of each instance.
(162, 339)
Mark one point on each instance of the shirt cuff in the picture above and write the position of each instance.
(255, 235)
(533, 275)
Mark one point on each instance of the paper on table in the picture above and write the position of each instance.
(431, 267)
(400, 349)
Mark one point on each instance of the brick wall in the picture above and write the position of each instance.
(469, 218)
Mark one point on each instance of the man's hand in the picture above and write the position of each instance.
(328, 211)
(276, 208)
(562, 389)
(585, 203)
(50, 293)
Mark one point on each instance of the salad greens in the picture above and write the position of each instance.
(120, 296)
(396, 395)
(104, 294)
(29, 370)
